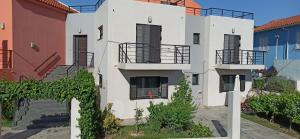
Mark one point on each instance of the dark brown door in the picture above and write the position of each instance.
(80, 50)
(148, 38)
(231, 51)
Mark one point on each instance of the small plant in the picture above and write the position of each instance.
(138, 117)
(111, 124)
(198, 130)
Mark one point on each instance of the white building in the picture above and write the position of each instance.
(139, 50)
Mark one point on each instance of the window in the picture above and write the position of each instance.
(195, 80)
(227, 83)
(100, 80)
(196, 38)
(101, 32)
(148, 87)
(263, 44)
(298, 41)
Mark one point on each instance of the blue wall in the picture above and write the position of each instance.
(270, 34)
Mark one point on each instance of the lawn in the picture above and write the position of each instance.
(266, 123)
(128, 131)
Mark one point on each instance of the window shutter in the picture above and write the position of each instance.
(164, 87)
(133, 88)
(221, 88)
(243, 82)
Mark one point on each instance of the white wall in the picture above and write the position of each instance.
(212, 30)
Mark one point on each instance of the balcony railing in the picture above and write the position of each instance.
(87, 8)
(5, 59)
(242, 57)
(220, 12)
(146, 53)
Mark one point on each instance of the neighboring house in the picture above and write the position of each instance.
(139, 50)
(280, 39)
(32, 37)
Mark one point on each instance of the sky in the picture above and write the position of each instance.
(264, 10)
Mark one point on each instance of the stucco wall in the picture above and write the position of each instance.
(288, 68)
(282, 43)
(212, 30)
(6, 41)
(122, 19)
(42, 25)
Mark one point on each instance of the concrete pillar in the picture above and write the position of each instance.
(298, 85)
(234, 111)
(74, 125)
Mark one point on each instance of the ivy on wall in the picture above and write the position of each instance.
(81, 86)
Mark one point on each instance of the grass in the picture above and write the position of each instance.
(266, 123)
(125, 133)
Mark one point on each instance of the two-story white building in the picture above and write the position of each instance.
(139, 49)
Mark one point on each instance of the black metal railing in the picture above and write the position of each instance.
(242, 57)
(76, 66)
(6, 59)
(87, 8)
(220, 12)
(145, 53)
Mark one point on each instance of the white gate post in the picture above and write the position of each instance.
(74, 125)
(234, 111)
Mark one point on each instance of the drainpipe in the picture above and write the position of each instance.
(277, 40)
(287, 42)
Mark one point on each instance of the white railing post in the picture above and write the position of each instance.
(234, 111)
(74, 125)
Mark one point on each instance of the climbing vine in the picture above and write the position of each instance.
(81, 86)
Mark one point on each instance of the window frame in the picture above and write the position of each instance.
(263, 44)
(297, 41)
(196, 41)
(100, 28)
(160, 88)
(242, 83)
(197, 79)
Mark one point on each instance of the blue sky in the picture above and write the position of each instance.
(264, 10)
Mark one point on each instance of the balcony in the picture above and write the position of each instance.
(142, 56)
(240, 59)
(5, 59)
(220, 12)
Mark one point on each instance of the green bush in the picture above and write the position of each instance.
(177, 114)
(8, 109)
(198, 130)
(111, 124)
(280, 84)
(285, 105)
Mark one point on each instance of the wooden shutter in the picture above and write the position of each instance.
(242, 82)
(155, 41)
(164, 87)
(133, 88)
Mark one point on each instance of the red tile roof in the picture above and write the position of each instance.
(279, 23)
(58, 5)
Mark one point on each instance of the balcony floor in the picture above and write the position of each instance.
(153, 66)
(238, 66)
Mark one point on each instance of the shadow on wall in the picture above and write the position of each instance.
(174, 76)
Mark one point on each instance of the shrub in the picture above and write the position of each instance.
(286, 105)
(138, 117)
(111, 124)
(280, 84)
(198, 130)
(8, 109)
(177, 114)
(259, 84)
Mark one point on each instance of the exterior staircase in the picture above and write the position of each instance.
(44, 114)
(37, 114)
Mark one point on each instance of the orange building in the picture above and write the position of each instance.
(32, 37)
